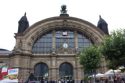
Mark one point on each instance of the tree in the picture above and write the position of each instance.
(90, 59)
(113, 48)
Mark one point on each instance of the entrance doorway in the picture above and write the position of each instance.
(41, 71)
(66, 71)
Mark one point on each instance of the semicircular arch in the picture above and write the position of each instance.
(41, 69)
(66, 70)
(41, 27)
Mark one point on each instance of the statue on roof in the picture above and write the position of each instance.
(102, 24)
(63, 11)
(23, 24)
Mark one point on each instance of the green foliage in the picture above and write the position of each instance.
(113, 48)
(111, 64)
(86, 79)
(90, 58)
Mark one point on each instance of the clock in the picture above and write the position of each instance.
(65, 45)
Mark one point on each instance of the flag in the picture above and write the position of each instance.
(1, 76)
(4, 70)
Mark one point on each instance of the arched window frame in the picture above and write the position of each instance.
(42, 71)
(66, 71)
(57, 40)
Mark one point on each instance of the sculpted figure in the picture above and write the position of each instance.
(63, 9)
(23, 24)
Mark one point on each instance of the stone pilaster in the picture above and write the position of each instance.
(53, 68)
(21, 61)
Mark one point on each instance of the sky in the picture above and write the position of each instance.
(112, 11)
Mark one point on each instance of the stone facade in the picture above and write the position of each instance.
(23, 58)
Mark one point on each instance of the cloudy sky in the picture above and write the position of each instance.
(12, 10)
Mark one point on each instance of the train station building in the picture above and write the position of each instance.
(49, 48)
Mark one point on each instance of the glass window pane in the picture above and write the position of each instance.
(41, 70)
(65, 36)
(65, 70)
(83, 41)
(43, 44)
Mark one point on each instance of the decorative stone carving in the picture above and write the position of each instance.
(65, 51)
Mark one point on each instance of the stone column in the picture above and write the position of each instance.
(15, 60)
(79, 73)
(75, 70)
(53, 68)
(21, 61)
(57, 71)
(25, 66)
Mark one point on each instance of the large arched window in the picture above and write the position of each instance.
(41, 70)
(65, 38)
(66, 71)
(43, 44)
(83, 41)
(61, 38)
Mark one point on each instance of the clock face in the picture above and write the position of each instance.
(65, 45)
